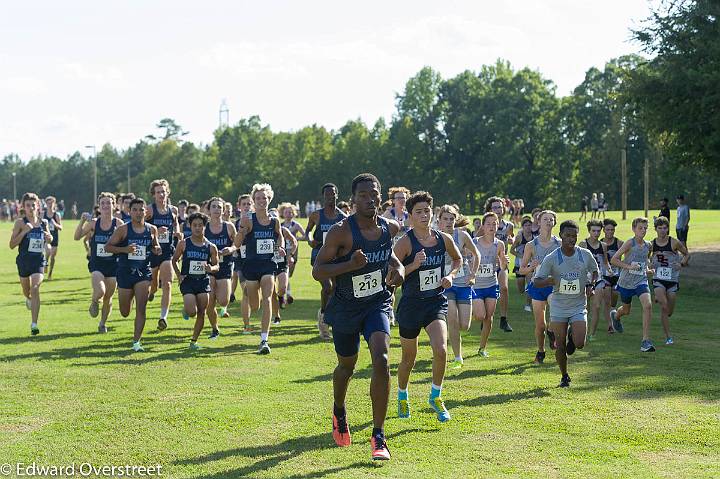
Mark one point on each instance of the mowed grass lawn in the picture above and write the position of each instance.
(71, 395)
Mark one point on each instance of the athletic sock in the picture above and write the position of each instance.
(459, 358)
(338, 411)
(163, 313)
(402, 394)
(264, 336)
(33, 325)
(378, 431)
(435, 391)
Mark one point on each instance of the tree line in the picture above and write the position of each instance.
(495, 130)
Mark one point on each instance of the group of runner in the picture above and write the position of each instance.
(447, 273)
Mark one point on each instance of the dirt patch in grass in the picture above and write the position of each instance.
(703, 270)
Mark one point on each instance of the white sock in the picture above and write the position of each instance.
(163, 313)
(264, 336)
(459, 358)
(404, 391)
(33, 325)
(437, 388)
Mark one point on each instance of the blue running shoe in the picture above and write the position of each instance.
(439, 407)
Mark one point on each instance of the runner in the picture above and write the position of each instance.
(423, 304)
(245, 206)
(398, 195)
(667, 264)
(281, 271)
(125, 207)
(185, 226)
(164, 216)
(321, 221)
(55, 226)
(505, 233)
(632, 259)
(30, 233)
(182, 217)
(221, 233)
(487, 287)
(601, 297)
(611, 276)
(263, 235)
(459, 295)
(288, 212)
(101, 264)
(535, 213)
(535, 252)
(358, 253)
(227, 211)
(572, 272)
(199, 261)
(517, 249)
(133, 242)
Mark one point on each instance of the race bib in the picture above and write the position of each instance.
(100, 251)
(243, 251)
(197, 267)
(569, 286)
(35, 245)
(429, 279)
(639, 272)
(664, 273)
(140, 253)
(367, 284)
(164, 237)
(486, 271)
(265, 246)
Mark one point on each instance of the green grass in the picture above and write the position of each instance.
(71, 395)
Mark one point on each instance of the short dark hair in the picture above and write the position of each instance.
(327, 185)
(661, 221)
(197, 215)
(592, 223)
(609, 221)
(418, 197)
(526, 219)
(568, 224)
(183, 203)
(680, 197)
(137, 201)
(363, 177)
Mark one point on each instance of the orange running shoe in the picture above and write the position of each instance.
(341, 431)
(380, 451)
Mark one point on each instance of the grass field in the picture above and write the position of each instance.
(73, 396)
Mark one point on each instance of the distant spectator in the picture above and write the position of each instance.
(683, 220)
(664, 208)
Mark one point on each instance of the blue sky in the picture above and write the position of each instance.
(78, 72)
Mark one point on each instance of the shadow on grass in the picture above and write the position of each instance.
(268, 456)
(42, 338)
(500, 398)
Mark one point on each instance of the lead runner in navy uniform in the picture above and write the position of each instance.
(30, 233)
(321, 221)
(261, 233)
(423, 304)
(102, 264)
(358, 254)
(222, 234)
(133, 242)
(164, 217)
(199, 260)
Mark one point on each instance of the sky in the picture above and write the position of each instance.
(79, 73)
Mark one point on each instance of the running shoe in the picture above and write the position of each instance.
(403, 409)
(247, 329)
(225, 314)
(483, 353)
(565, 381)
(276, 320)
(185, 315)
(102, 328)
(551, 339)
(539, 357)
(505, 326)
(439, 407)
(94, 309)
(341, 431)
(281, 302)
(456, 364)
(323, 328)
(528, 308)
(616, 324)
(215, 334)
(290, 299)
(646, 346)
(162, 324)
(151, 296)
(380, 451)
(34, 330)
(611, 330)
(232, 298)
(137, 347)
(194, 346)
(264, 348)
(570, 346)
(669, 341)
(591, 337)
